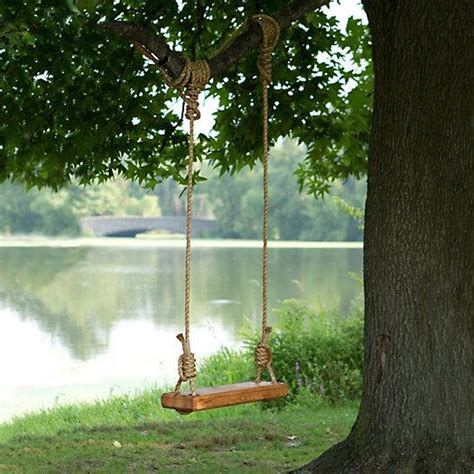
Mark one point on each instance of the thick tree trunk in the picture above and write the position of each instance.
(415, 415)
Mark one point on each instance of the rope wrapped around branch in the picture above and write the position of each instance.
(189, 84)
(270, 35)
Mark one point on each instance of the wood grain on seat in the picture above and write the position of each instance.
(223, 396)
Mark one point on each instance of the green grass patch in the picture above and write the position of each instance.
(124, 434)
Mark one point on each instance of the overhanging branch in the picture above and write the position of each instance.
(250, 37)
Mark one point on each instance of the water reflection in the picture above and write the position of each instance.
(94, 318)
(77, 295)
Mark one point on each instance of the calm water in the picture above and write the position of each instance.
(77, 323)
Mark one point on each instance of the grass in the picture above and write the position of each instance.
(136, 434)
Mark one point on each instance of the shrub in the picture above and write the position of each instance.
(317, 353)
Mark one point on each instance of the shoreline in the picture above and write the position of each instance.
(25, 242)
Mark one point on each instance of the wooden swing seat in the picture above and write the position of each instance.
(223, 396)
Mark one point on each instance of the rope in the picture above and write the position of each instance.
(189, 84)
(270, 34)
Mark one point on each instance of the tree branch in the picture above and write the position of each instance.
(249, 38)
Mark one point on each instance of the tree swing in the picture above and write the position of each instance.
(189, 84)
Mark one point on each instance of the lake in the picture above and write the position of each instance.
(80, 319)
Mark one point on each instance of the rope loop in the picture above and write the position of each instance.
(270, 34)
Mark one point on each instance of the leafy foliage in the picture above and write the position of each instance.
(78, 103)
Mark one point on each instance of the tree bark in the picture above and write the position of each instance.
(416, 414)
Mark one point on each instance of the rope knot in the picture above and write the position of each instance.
(263, 356)
(186, 365)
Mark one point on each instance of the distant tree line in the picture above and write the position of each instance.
(235, 201)
(57, 213)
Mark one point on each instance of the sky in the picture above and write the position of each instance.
(345, 9)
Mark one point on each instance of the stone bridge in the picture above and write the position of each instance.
(107, 226)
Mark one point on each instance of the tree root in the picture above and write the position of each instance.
(342, 458)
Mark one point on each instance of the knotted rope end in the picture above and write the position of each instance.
(186, 366)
